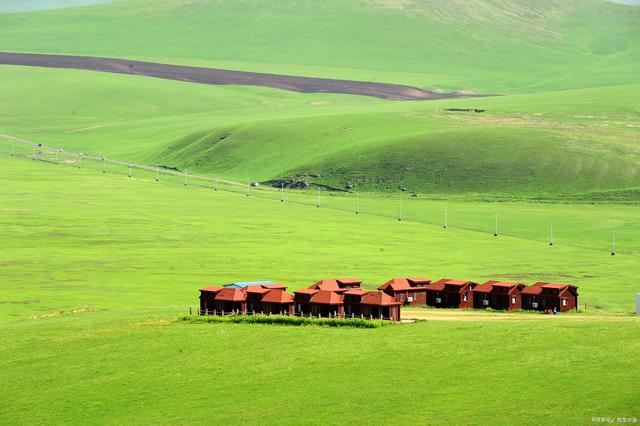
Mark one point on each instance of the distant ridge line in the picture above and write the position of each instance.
(216, 76)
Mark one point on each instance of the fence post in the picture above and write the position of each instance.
(206, 311)
(190, 313)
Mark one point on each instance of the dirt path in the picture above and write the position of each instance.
(224, 77)
(451, 315)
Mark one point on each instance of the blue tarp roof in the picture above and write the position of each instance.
(246, 284)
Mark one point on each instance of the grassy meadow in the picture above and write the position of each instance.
(77, 238)
(96, 268)
(550, 145)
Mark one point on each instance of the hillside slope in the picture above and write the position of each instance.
(476, 45)
(568, 123)
(561, 142)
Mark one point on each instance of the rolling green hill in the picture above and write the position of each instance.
(550, 143)
(480, 45)
(568, 122)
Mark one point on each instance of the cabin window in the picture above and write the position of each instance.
(513, 300)
(464, 297)
(564, 302)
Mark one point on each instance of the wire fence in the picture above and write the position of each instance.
(621, 240)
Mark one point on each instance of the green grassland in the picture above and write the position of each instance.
(105, 264)
(138, 251)
(569, 125)
(478, 45)
(549, 144)
(80, 237)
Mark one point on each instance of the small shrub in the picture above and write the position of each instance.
(287, 320)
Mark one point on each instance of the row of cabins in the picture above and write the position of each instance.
(344, 297)
(498, 295)
(341, 298)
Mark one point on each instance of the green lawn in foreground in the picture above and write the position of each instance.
(138, 251)
(139, 366)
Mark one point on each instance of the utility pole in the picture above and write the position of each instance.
(318, 200)
(445, 217)
(79, 162)
(157, 173)
(185, 178)
(12, 149)
(613, 242)
(215, 187)
(248, 187)
(357, 203)
(400, 216)
(495, 234)
(551, 236)
(282, 192)
(104, 165)
(129, 170)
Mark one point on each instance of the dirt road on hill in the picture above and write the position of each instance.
(224, 77)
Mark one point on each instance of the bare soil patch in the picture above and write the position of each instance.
(217, 76)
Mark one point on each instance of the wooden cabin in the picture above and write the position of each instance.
(339, 285)
(371, 304)
(498, 295)
(408, 291)
(207, 298)
(543, 296)
(352, 302)
(229, 300)
(318, 303)
(448, 293)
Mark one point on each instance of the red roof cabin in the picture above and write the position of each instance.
(269, 299)
(318, 303)
(207, 298)
(339, 285)
(371, 304)
(448, 293)
(227, 300)
(543, 296)
(499, 295)
(408, 291)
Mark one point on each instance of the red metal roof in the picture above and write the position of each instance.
(536, 288)
(356, 292)
(275, 286)
(277, 296)
(402, 284)
(489, 285)
(306, 291)
(231, 294)
(336, 284)
(348, 281)
(329, 285)
(440, 284)
(211, 289)
(378, 298)
(256, 289)
(326, 298)
(419, 280)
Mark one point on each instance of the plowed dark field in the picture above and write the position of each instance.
(224, 77)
